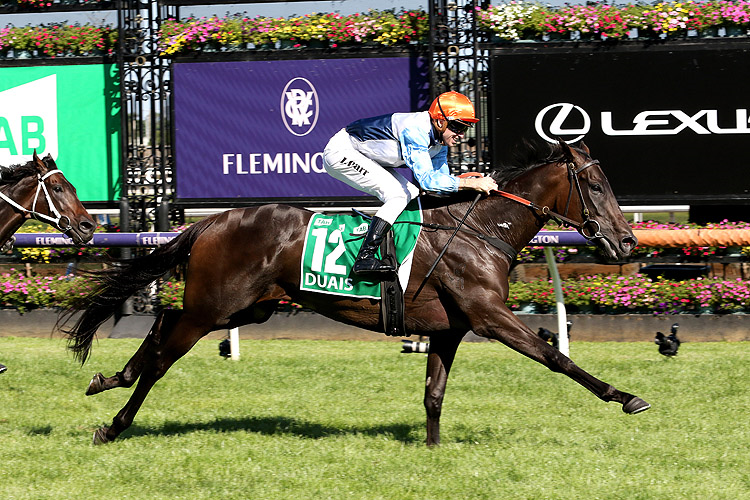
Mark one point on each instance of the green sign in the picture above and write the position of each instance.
(333, 242)
(71, 112)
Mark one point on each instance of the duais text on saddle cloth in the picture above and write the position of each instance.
(331, 246)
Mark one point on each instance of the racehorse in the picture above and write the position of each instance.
(39, 189)
(242, 262)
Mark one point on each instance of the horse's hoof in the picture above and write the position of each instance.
(96, 385)
(100, 436)
(635, 405)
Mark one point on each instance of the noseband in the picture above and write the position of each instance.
(595, 232)
(41, 187)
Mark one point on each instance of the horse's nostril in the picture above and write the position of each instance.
(87, 226)
(629, 242)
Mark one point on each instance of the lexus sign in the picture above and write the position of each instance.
(661, 122)
(676, 135)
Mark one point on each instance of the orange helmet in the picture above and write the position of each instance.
(453, 106)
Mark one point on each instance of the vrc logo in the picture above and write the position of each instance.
(299, 106)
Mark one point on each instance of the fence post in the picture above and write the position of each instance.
(234, 344)
(127, 307)
(562, 319)
(162, 217)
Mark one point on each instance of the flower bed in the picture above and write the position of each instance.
(511, 21)
(636, 294)
(57, 40)
(240, 32)
(516, 20)
(597, 294)
(23, 293)
(45, 5)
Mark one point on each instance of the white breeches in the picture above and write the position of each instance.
(348, 165)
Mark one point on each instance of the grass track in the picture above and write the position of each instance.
(344, 420)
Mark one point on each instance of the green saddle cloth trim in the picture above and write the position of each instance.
(331, 246)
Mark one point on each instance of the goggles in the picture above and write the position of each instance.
(458, 127)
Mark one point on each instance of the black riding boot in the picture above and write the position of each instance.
(367, 265)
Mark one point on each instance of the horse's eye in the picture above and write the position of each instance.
(57, 188)
(597, 188)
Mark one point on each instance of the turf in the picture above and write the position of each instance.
(344, 420)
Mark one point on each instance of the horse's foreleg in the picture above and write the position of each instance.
(132, 370)
(442, 352)
(513, 333)
(164, 350)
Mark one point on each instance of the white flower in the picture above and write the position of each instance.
(504, 19)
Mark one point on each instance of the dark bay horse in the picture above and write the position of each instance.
(241, 263)
(39, 189)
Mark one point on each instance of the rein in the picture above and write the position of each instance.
(563, 220)
(42, 187)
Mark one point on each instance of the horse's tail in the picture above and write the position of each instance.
(114, 285)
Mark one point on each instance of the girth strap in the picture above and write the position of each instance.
(500, 244)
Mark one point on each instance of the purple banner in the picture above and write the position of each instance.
(99, 240)
(257, 129)
(544, 238)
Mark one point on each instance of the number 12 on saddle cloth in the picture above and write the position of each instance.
(331, 246)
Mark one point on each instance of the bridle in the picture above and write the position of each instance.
(58, 219)
(594, 228)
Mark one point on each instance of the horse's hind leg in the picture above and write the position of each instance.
(132, 370)
(173, 341)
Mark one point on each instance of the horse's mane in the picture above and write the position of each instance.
(528, 155)
(14, 173)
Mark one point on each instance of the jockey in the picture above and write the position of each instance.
(363, 154)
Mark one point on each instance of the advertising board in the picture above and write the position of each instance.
(668, 122)
(257, 129)
(70, 112)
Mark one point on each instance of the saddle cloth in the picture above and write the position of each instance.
(331, 245)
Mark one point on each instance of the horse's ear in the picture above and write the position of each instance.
(39, 164)
(583, 147)
(49, 162)
(566, 151)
